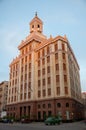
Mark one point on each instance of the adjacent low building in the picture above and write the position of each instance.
(3, 97)
(84, 102)
(44, 78)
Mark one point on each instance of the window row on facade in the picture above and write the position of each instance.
(48, 58)
(40, 81)
(47, 49)
(39, 72)
(15, 73)
(45, 93)
(24, 95)
(59, 105)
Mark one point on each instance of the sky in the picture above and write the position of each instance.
(60, 17)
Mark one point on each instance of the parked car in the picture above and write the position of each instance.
(5, 120)
(25, 120)
(52, 121)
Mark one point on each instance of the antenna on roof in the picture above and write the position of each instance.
(36, 13)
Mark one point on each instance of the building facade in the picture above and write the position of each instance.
(84, 102)
(3, 96)
(44, 78)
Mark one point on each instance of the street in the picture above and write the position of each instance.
(42, 126)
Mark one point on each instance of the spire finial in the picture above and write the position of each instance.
(36, 13)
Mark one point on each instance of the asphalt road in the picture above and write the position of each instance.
(42, 126)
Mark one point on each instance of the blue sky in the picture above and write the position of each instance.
(60, 17)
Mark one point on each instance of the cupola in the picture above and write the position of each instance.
(36, 24)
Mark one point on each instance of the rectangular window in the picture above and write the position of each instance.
(29, 95)
(25, 67)
(56, 47)
(48, 69)
(39, 63)
(24, 95)
(13, 74)
(49, 80)
(26, 50)
(43, 71)
(66, 90)
(16, 66)
(49, 91)
(20, 96)
(39, 83)
(15, 81)
(22, 60)
(21, 87)
(39, 54)
(43, 61)
(48, 50)
(29, 85)
(63, 47)
(44, 93)
(21, 77)
(65, 78)
(57, 67)
(25, 76)
(25, 86)
(16, 73)
(43, 82)
(39, 93)
(63, 55)
(26, 59)
(29, 56)
(48, 59)
(12, 90)
(29, 74)
(39, 73)
(30, 47)
(57, 78)
(14, 98)
(56, 56)
(58, 91)
(29, 65)
(22, 52)
(9, 92)
(64, 66)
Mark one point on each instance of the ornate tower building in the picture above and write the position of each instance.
(44, 78)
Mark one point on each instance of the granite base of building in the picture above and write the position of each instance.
(68, 109)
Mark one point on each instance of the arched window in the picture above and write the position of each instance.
(32, 26)
(58, 104)
(38, 26)
(44, 105)
(49, 105)
(67, 104)
(39, 106)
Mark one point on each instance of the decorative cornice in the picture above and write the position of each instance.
(34, 36)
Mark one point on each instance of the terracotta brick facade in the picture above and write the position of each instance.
(67, 108)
